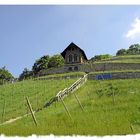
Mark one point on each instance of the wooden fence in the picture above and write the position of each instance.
(62, 94)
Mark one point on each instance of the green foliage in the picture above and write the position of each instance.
(112, 89)
(101, 57)
(56, 61)
(108, 90)
(41, 64)
(133, 50)
(5, 75)
(121, 52)
(46, 62)
(25, 74)
(100, 92)
(38, 91)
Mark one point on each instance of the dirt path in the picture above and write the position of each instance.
(15, 119)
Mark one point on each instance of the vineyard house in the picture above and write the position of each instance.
(73, 55)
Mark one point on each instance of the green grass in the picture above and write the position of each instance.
(38, 91)
(119, 61)
(128, 56)
(100, 116)
(115, 71)
(122, 59)
(76, 74)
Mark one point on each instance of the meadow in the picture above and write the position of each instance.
(12, 96)
(111, 107)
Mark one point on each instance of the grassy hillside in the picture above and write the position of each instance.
(122, 59)
(103, 114)
(69, 74)
(12, 96)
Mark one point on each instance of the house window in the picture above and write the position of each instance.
(76, 68)
(70, 58)
(75, 58)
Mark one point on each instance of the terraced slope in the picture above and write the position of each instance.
(12, 96)
(122, 59)
(111, 107)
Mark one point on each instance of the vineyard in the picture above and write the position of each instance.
(12, 96)
(110, 107)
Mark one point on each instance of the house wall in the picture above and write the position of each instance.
(72, 52)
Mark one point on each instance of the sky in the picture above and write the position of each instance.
(29, 32)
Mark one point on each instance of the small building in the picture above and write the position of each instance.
(73, 56)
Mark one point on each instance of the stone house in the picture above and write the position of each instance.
(73, 56)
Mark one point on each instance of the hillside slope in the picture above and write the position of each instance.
(104, 114)
(122, 59)
(12, 96)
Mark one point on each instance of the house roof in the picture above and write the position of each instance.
(75, 46)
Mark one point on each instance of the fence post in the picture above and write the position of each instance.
(25, 105)
(3, 112)
(37, 101)
(131, 127)
(65, 107)
(31, 110)
(45, 88)
(113, 97)
(79, 102)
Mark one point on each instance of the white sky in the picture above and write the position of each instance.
(134, 30)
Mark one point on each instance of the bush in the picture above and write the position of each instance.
(56, 61)
(5, 75)
(46, 62)
(26, 74)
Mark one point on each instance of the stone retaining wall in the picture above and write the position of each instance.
(58, 70)
(117, 75)
(109, 66)
(94, 67)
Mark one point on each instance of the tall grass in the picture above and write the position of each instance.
(122, 59)
(100, 116)
(38, 91)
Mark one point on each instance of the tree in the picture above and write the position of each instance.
(121, 52)
(46, 62)
(134, 49)
(41, 64)
(56, 61)
(5, 75)
(25, 74)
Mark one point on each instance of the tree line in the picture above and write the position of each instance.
(132, 50)
(43, 63)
